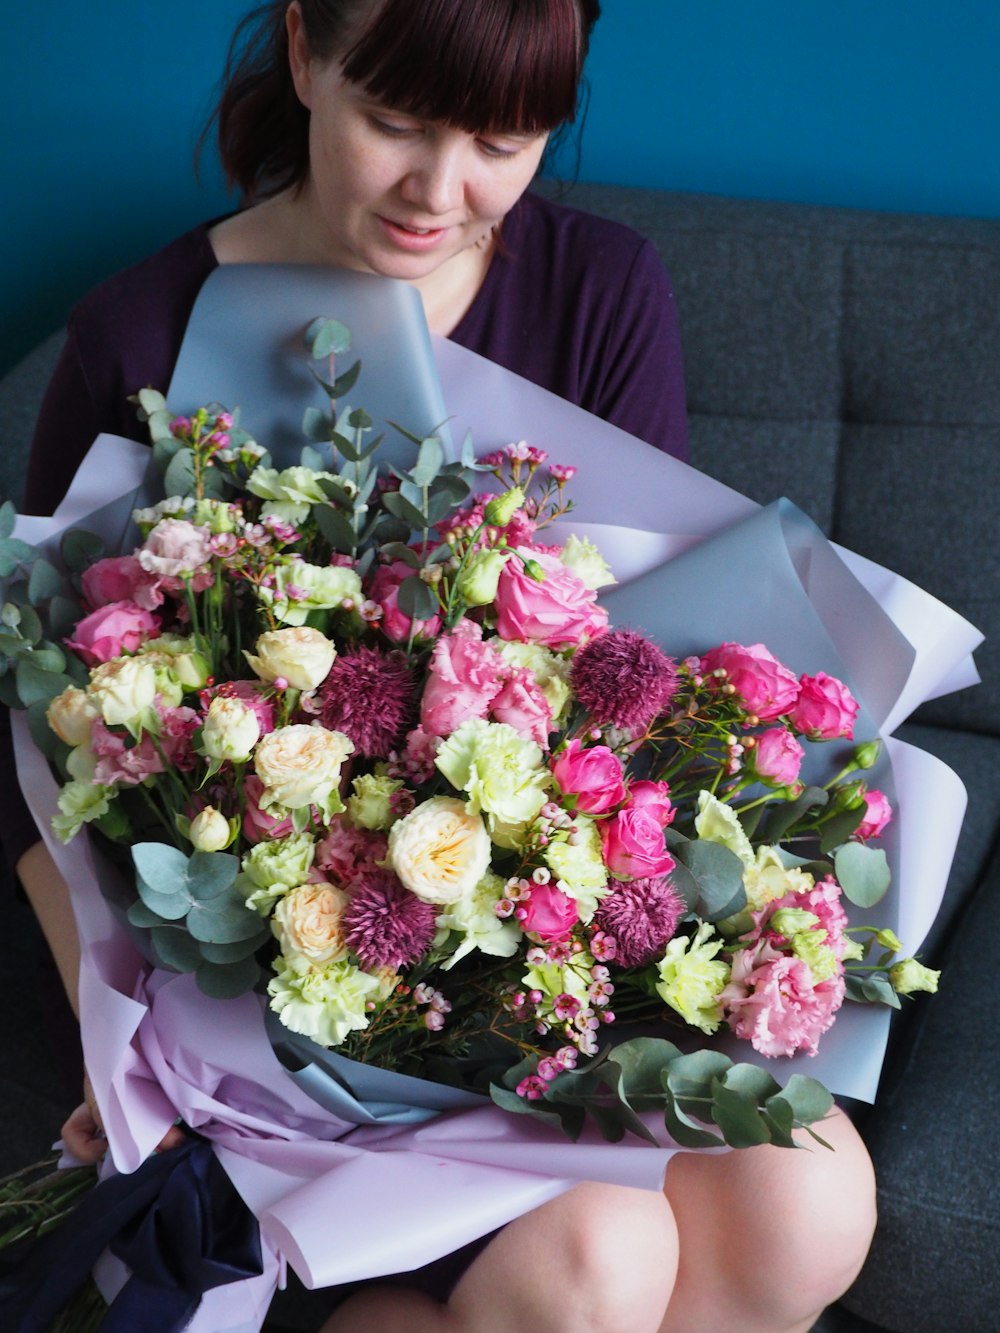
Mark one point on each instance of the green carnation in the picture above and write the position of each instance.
(325, 1003)
(501, 771)
(475, 919)
(79, 803)
(300, 588)
(371, 805)
(579, 866)
(691, 978)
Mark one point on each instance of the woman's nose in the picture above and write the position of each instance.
(436, 184)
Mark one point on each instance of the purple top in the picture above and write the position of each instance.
(575, 303)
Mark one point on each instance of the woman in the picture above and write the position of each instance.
(399, 136)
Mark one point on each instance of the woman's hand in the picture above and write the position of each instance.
(83, 1134)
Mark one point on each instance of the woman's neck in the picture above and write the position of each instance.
(282, 230)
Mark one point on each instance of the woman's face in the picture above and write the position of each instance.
(394, 194)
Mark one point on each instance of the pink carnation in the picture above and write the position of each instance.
(177, 550)
(877, 814)
(121, 763)
(767, 688)
(549, 914)
(385, 925)
(623, 680)
(593, 774)
(347, 854)
(559, 611)
(463, 680)
(777, 757)
(120, 627)
(825, 709)
(772, 1003)
(642, 916)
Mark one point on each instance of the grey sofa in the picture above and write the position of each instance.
(851, 362)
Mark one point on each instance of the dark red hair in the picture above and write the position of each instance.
(481, 65)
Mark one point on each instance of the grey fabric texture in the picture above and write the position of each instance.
(850, 361)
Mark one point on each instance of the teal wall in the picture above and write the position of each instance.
(890, 104)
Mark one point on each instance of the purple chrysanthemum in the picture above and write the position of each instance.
(623, 679)
(642, 916)
(370, 696)
(386, 925)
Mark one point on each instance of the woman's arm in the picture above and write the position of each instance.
(49, 897)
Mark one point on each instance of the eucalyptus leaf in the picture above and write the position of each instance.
(400, 551)
(783, 816)
(640, 1063)
(49, 658)
(439, 506)
(143, 916)
(345, 383)
(358, 419)
(211, 874)
(36, 685)
(313, 459)
(691, 1075)
(719, 876)
(807, 1097)
(31, 624)
(41, 733)
(230, 953)
(862, 872)
(179, 477)
(80, 549)
(8, 517)
(9, 697)
(686, 1131)
(401, 508)
(430, 460)
(225, 920)
(175, 949)
(735, 1112)
(164, 450)
(508, 1100)
(751, 1080)
(336, 527)
(409, 490)
(327, 337)
(871, 988)
(318, 427)
(161, 878)
(64, 612)
(839, 827)
(415, 599)
(226, 981)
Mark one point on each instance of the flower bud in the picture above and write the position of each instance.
(500, 510)
(210, 831)
(909, 976)
(477, 584)
(865, 755)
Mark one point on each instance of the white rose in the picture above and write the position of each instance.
(440, 851)
(231, 730)
(70, 715)
(301, 655)
(300, 766)
(307, 921)
(123, 689)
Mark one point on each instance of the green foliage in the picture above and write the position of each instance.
(704, 1097)
(862, 872)
(717, 874)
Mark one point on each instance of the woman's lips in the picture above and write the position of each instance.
(414, 239)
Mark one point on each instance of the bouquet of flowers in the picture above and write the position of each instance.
(365, 740)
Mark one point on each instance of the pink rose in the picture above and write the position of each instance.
(120, 627)
(653, 797)
(258, 824)
(766, 687)
(560, 611)
(877, 814)
(772, 1003)
(825, 709)
(777, 757)
(385, 592)
(463, 679)
(177, 727)
(523, 706)
(592, 774)
(549, 914)
(633, 844)
(120, 578)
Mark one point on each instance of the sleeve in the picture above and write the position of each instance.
(67, 425)
(642, 390)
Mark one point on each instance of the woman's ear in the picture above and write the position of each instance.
(299, 59)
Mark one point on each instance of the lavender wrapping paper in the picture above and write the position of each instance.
(156, 1048)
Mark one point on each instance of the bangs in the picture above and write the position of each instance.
(498, 65)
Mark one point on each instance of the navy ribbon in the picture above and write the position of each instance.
(178, 1224)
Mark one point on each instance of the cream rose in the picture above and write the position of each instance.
(71, 714)
(231, 730)
(210, 831)
(307, 922)
(301, 655)
(440, 851)
(300, 766)
(123, 689)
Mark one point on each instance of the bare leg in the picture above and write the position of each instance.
(600, 1259)
(769, 1236)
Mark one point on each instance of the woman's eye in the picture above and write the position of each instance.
(499, 149)
(394, 129)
